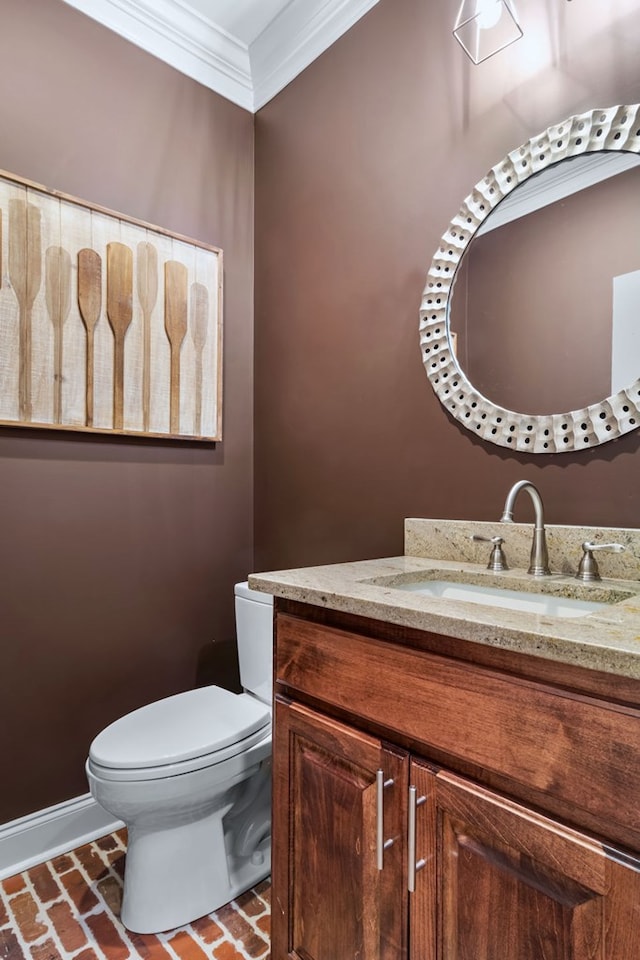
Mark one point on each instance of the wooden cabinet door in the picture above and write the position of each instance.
(514, 885)
(330, 900)
(422, 873)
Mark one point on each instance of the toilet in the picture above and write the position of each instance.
(190, 776)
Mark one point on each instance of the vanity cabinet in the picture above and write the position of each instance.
(396, 749)
(501, 881)
(332, 901)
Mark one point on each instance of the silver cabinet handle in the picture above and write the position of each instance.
(381, 843)
(414, 802)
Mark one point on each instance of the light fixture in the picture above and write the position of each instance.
(483, 27)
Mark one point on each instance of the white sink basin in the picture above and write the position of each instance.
(541, 603)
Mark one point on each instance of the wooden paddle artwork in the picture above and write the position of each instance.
(58, 295)
(175, 322)
(107, 324)
(90, 305)
(199, 313)
(120, 313)
(147, 294)
(25, 274)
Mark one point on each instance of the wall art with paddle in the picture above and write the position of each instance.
(107, 324)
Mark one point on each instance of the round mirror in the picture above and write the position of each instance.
(530, 304)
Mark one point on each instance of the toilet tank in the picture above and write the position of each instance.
(254, 627)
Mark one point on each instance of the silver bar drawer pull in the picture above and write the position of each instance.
(414, 802)
(381, 843)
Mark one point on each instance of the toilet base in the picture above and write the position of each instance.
(184, 861)
(175, 875)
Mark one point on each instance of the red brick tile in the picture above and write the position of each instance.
(25, 910)
(45, 951)
(257, 948)
(93, 864)
(111, 892)
(107, 843)
(241, 930)
(62, 864)
(207, 929)
(226, 951)
(213, 933)
(14, 884)
(264, 891)
(71, 934)
(46, 888)
(83, 898)
(9, 946)
(148, 947)
(250, 905)
(186, 947)
(107, 937)
(117, 860)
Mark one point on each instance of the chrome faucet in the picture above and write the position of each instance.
(539, 561)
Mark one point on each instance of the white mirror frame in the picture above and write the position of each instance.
(613, 128)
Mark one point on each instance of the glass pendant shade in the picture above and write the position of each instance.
(483, 27)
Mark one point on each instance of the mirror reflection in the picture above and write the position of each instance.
(543, 312)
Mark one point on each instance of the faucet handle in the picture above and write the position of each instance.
(497, 558)
(588, 566)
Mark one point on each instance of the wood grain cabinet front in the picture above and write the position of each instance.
(501, 882)
(382, 851)
(339, 819)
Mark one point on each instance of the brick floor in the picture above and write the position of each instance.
(69, 909)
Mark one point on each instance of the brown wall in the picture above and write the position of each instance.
(361, 163)
(117, 559)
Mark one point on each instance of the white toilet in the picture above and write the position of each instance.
(191, 778)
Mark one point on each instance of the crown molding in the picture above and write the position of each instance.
(177, 34)
(295, 38)
(196, 46)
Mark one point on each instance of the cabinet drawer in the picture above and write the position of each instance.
(579, 750)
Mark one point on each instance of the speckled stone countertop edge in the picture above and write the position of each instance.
(607, 639)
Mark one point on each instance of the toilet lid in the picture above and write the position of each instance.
(187, 725)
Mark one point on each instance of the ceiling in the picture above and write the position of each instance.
(245, 50)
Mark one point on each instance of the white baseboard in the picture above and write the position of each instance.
(47, 833)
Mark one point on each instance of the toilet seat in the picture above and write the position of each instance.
(178, 734)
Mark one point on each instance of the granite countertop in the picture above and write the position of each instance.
(607, 639)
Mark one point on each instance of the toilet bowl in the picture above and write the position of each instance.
(190, 776)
